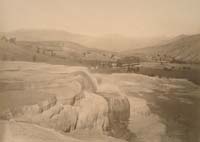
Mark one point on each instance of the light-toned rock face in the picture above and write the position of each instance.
(64, 98)
(11, 131)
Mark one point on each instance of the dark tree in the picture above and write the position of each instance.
(12, 40)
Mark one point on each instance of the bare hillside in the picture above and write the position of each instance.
(182, 48)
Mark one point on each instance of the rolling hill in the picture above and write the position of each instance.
(55, 52)
(13, 52)
(184, 48)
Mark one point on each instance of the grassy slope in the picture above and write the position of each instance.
(18, 53)
(69, 53)
(70, 50)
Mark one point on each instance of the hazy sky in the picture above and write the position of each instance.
(97, 17)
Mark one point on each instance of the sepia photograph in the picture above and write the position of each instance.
(99, 70)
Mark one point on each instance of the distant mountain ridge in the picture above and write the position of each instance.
(109, 42)
(44, 35)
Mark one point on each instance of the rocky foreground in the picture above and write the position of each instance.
(55, 103)
(65, 99)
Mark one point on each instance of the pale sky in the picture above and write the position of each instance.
(98, 17)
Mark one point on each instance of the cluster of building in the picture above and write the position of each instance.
(10, 40)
